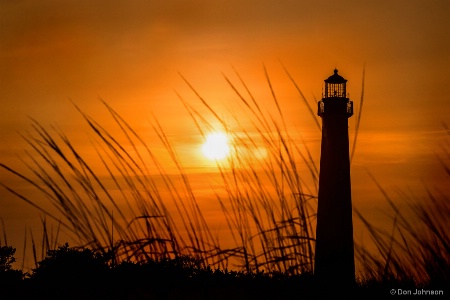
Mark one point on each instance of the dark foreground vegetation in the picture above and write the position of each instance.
(68, 273)
(71, 273)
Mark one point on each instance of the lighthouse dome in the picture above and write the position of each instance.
(335, 78)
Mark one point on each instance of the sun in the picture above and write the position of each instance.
(216, 146)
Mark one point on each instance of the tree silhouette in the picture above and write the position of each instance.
(7, 258)
(10, 279)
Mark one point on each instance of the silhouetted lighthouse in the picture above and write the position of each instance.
(334, 255)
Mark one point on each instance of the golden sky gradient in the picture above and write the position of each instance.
(130, 54)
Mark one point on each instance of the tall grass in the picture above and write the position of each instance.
(268, 209)
(129, 204)
(416, 250)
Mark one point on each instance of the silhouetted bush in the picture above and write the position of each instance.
(69, 272)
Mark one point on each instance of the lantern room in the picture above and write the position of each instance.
(335, 86)
(335, 98)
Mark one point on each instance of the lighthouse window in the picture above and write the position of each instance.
(350, 107)
(335, 90)
(320, 108)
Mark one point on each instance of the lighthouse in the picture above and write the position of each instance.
(334, 253)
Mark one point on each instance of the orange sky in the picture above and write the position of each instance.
(130, 53)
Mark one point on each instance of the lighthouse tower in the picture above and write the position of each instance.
(334, 254)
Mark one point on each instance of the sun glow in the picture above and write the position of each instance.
(216, 146)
